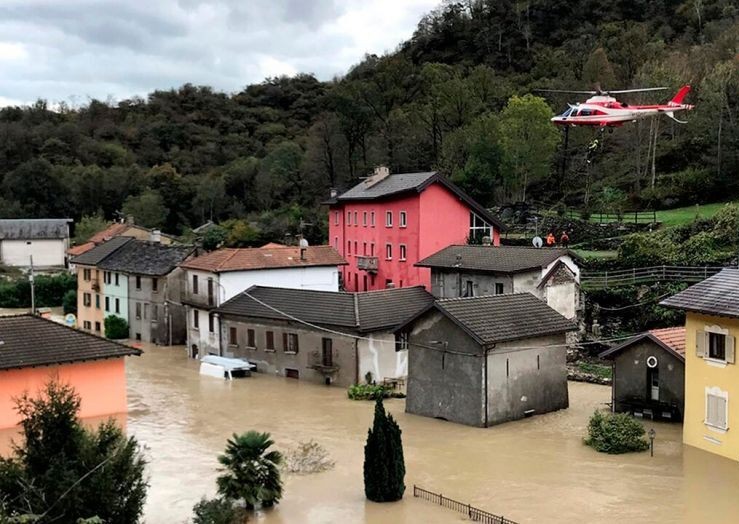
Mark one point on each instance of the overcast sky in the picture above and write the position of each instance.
(74, 49)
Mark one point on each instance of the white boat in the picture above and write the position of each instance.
(223, 367)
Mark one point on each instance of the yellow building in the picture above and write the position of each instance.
(711, 418)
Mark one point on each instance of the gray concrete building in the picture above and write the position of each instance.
(154, 281)
(649, 374)
(551, 274)
(485, 360)
(326, 337)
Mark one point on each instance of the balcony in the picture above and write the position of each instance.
(200, 299)
(368, 264)
(95, 284)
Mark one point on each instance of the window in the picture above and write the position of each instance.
(348, 218)
(478, 228)
(402, 251)
(97, 327)
(364, 248)
(155, 284)
(195, 318)
(403, 219)
(498, 288)
(138, 312)
(194, 284)
(97, 301)
(388, 219)
(336, 218)
(106, 277)
(117, 305)
(717, 404)
(389, 283)
(327, 352)
(138, 282)
(388, 251)
(233, 336)
(211, 323)
(107, 303)
(269, 340)
(116, 279)
(401, 341)
(251, 338)
(86, 299)
(87, 325)
(364, 219)
(372, 249)
(356, 250)
(146, 311)
(349, 247)
(469, 289)
(290, 342)
(336, 243)
(154, 312)
(211, 292)
(717, 346)
(87, 274)
(372, 218)
(356, 218)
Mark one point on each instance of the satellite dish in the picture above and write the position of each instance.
(303, 242)
(652, 362)
(537, 242)
(70, 320)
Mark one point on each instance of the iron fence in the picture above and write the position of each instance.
(627, 217)
(472, 512)
(645, 275)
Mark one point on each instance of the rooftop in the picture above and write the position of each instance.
(497, 259)
(34, 228)
(28, 341)
(267, 257)
(143, 257)
(714, 296)
(97, 254)
(364, 312)
(502, 318)
(671, 339)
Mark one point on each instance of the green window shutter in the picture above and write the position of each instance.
(700, 343)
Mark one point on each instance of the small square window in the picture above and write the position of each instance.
(717, 346)
(499, 288)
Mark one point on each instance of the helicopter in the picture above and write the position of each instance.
(605, 111)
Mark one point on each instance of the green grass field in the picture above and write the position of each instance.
(685, 215)
(591, 253)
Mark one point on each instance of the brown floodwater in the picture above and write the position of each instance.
(533, 470)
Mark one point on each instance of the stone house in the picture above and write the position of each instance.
(150, 273)
(649, 374)
(322, 336)
(211, 279)
(127, 228)
(46, 239)
(485, 360)
(551, 274)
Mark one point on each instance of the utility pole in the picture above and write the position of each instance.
(33, 291)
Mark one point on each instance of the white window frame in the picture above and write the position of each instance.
(388, 219)
(717, 392)
(336, 218)
(356, 218)
(403, 219)
(729, 346)
(364, 219)
(372, 218)
(403, 252)
(388, 251)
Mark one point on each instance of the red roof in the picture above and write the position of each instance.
(109, 232)
(271, 245)
(673, 337)
(246, 259)
(82, 248)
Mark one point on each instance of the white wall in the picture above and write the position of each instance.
(206, 341)
(563, 298)
(46, 252)
(325, 278)
(379, 357)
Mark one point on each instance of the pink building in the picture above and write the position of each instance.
(387, 223)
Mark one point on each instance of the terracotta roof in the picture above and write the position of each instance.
(495, 259)
(270, 245)
(28, 341)
(365, 311)
(76, 251)
(671, 339)
(715, 295)
(247, 259)
(109, 232)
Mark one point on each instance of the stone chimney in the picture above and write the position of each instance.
(129, 220)
(155, 236)
(380, 174)
(333, 193)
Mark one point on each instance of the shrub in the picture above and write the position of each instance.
(49, 290)
(372, 392)
(384, 465)
(218, 511)
(639, 250)
(69, 301)
(615, 433)
(115, 327)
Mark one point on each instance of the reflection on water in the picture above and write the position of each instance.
(535, 470)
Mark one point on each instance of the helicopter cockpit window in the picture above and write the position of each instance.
(567, 112)
(585, 112)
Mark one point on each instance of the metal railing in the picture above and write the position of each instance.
(367, 263)
(644, 275)
(472, 512)
(627, 217)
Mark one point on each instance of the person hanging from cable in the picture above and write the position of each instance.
(592, 149)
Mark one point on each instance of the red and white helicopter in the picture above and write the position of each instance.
(603, 110)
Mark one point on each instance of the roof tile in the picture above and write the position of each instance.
(246, 259)
(714, 296)
(498, 259)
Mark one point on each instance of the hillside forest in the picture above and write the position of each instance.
(460, 97)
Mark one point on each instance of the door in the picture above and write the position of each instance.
(653, 383)
(327, 354)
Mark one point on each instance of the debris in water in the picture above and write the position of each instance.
(308, 457)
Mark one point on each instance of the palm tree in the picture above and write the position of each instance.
(250, 472)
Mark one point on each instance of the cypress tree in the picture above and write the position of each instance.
(384, 466)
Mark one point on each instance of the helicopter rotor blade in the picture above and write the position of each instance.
(566, 91)
(638, 90)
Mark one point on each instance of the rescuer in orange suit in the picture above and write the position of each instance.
(551, 240)
(564, 240)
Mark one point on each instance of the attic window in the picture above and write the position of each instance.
(478, 228)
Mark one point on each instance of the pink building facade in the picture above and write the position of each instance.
(387, 223)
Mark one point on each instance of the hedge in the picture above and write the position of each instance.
(49, 290)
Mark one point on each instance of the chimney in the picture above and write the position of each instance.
(333, 193)
(380, 174)
(303, 243)
(486, 241)
(129, 220)
(155, 235)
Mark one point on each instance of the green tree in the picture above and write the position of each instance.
(63, 472)
(598, 71)
(115, 327)
(529, 140)
(218, 511)
(69, 302)
(384, 466)
(88, 226)
(214, 238)
(250, 472)
(148, 209)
